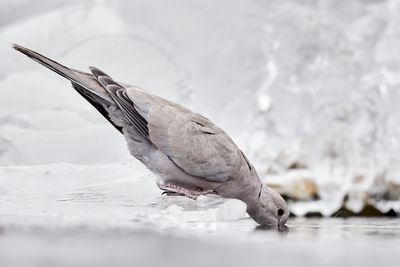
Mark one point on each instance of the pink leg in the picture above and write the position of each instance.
(171, 188)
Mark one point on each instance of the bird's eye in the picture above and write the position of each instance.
(280, 212)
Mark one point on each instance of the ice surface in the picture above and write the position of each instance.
(318, 242)
(301, 86)
(308, 89)
(115, 194)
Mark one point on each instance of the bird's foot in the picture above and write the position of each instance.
(170, 193)
(176, 190)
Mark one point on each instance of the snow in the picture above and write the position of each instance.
(309, 90)
(112, 194)
(302, 83)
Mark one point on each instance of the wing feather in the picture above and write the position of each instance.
(194, 143)
(118, 94)
(191, 141)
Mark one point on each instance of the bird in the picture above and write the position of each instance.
(190, 155)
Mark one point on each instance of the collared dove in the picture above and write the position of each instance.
(190, 155)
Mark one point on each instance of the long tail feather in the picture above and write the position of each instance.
(83, 79)
(84, 83)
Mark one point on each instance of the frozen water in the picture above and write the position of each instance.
(71, 193)
(306, 88)
(64, 214)
(318, 242)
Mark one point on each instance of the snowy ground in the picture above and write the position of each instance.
(308, 89)
(115, 194)
(305, 88)
(307, 242)
(64, 214)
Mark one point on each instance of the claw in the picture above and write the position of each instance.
(175, 190)
(169, 193)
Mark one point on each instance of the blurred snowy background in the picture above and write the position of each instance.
(308, 89)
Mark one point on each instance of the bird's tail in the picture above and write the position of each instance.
(82, 79)
(84, 83)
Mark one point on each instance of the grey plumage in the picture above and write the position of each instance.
(184, 148)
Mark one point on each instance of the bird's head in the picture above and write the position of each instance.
(269, 209)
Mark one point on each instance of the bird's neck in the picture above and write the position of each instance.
(246, 186)
(250, 193)
(251, 196)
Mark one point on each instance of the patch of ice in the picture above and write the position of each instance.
(311, 86)
(114, 194)
(225, 210)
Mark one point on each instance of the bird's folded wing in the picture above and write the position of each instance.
(193, 142)
(190, 140)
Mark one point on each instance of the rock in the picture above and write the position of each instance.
(296, 185)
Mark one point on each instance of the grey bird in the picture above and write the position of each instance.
(190, 155)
